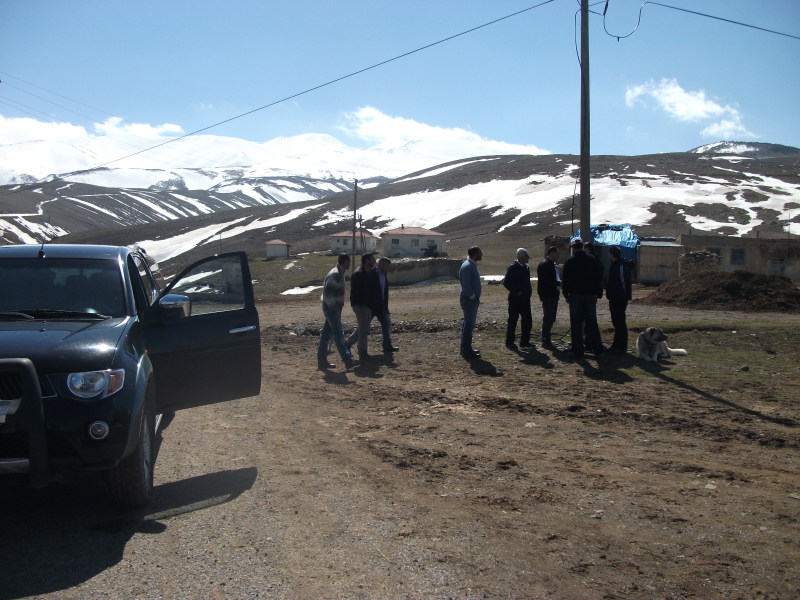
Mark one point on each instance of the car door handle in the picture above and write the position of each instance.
(244, 329)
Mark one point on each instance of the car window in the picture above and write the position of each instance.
(145, 278)
(62, 284)
(213, 286)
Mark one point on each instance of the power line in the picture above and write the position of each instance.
(331, 82)
(52, 92)
(693, 12)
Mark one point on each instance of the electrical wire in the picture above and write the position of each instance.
(693, 12)
(328, 83)
(51, 92)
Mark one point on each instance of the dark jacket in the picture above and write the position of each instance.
(362, 288)
(583, 274)
(547, 284)
(618, 284)
(381, 299)
(518, 281)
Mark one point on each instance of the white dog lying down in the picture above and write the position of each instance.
(652, 343)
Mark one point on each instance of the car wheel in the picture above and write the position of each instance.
(130, 483)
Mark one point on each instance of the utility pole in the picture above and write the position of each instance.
(585, 155)
(355, 208)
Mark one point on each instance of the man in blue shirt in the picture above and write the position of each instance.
(470, 298)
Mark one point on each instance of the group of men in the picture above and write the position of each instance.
(582, 283)
(369, 298)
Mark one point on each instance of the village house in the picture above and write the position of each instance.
(766, 256)
(277, 249)
(342, 242)
(412, 242)
(659, 259)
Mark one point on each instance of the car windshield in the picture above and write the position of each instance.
(61, 287)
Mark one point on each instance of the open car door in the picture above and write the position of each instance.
(202, 335)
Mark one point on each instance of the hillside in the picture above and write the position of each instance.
(497, 201)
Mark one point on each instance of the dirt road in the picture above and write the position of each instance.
(425, 476)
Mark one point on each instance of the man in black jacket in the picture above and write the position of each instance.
(583, 285)
(548, 286)
(363, 299)
(518, 283)
(381, 309)
(618, 292)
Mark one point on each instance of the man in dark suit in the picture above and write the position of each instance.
(618, 291)
(548, 286)
(518, 283)
(582, 285)
(381, 308)
(363, 300)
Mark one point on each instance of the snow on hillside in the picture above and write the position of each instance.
(612, 202)
(167, 248)
(620, 199)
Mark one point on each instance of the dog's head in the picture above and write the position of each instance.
(654, 335)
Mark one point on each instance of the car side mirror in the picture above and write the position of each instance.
(174, 306)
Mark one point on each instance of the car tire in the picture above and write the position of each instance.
(130, 483)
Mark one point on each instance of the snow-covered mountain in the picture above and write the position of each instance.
(723, 188)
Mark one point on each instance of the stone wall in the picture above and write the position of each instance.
(410, 271)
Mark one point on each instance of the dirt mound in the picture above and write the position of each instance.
(739, 290)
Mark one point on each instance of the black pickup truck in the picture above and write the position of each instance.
(93, 353)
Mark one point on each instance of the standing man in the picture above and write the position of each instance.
(518, 283)
(332, 303)
(618, 292)
(548, 286)
(363, 300)
(470, 299)
(582, 285)
(382, 305)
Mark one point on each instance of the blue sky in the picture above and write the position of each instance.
(167, 67)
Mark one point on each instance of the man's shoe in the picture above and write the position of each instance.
(511, 346)
(363, 356)
(349, 364)
(470, 355)
(324, 365)
(390, 349)
(526, 345)
(548, 345)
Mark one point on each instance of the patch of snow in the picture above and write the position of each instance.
(301, 290)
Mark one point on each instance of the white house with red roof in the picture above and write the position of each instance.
(277, 249)
(412, 242)
(342, 242)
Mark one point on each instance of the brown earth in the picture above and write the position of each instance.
(522, 475)
(739, 290)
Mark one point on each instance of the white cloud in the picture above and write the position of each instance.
(690, 106)
(389, 146)
(383, 131)
(727, 129)
(14, 131)
(115, 127)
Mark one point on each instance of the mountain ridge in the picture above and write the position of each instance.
(504, 199)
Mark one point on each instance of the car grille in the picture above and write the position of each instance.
(11, 386)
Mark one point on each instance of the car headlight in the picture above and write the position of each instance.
(95, 383)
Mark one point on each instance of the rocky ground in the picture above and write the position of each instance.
(420, 475)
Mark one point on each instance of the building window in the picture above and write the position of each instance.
(777, 266)
(395, 241)
(716, 251)
(737, 256)
(415, 243)
(345, 242)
